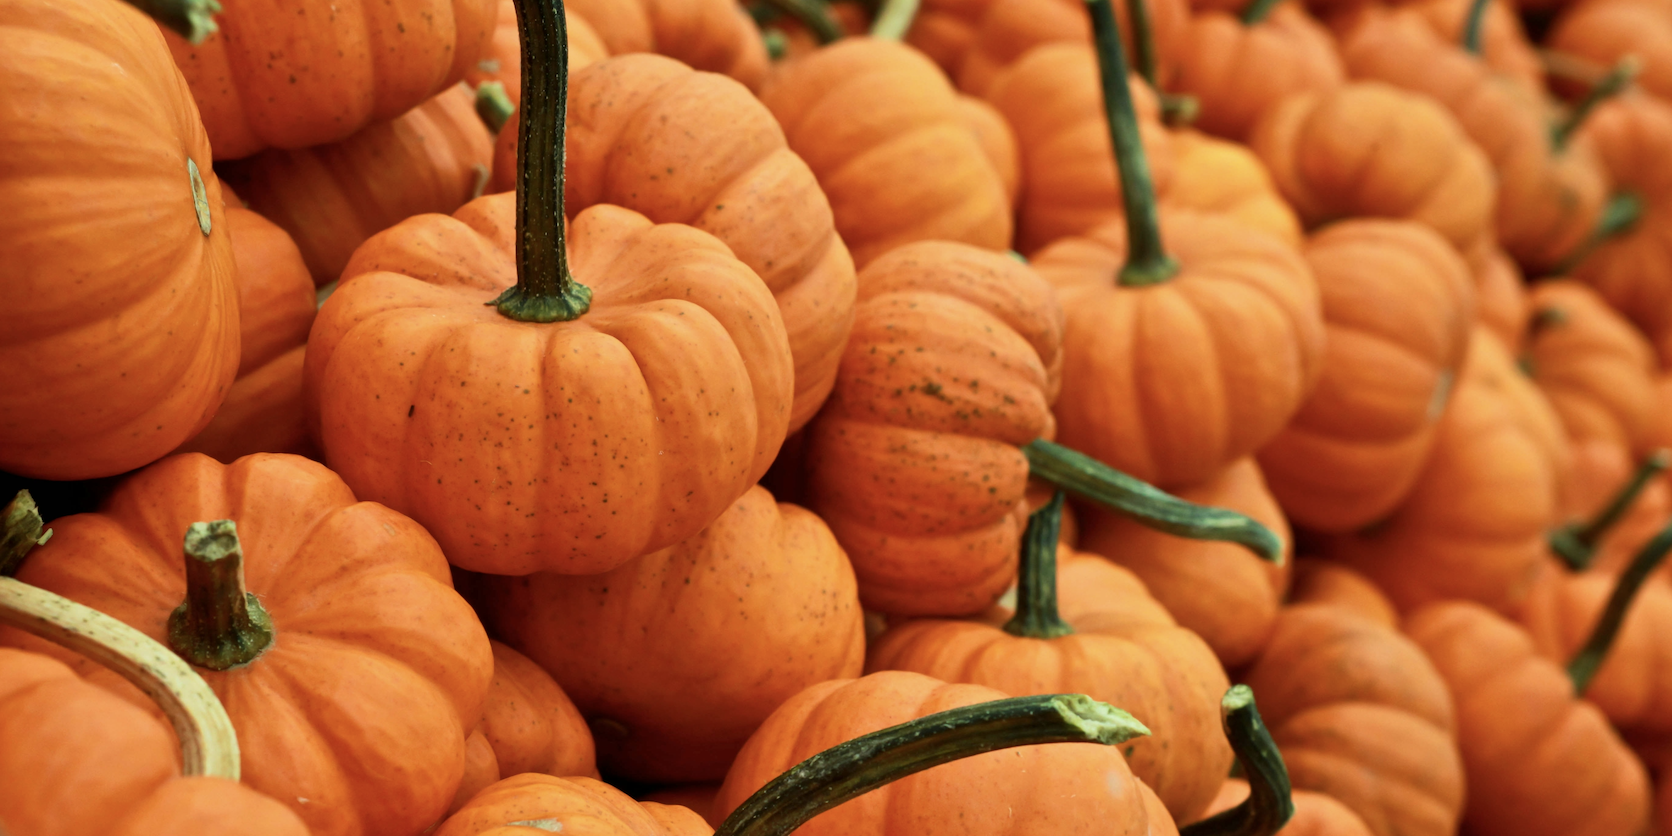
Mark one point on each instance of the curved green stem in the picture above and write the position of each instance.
(1087, 477)
(1269, 805)
(1575, 543)
(1619, 216)
(545, 290)
(193, 20)
(894, 20)
(220, 625)
(1611, 85)
(1584, 665)
(1036, 580)
(1147, 262)
(1474, 26)
(865, 763)
(493, 105)
(20, 531)
(813, 14)
(1257, 11)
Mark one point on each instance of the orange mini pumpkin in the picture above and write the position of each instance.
(712, 35)
(1317, 581)
(1399, 308)
(1605, 31)
(120, 331)
(1595, 368)
(1631, 265)
(1500, 292)
(1225, 178)
(1009, 29)
(953, 363)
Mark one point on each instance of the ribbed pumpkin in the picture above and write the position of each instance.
(711, 35)
(120, 331)
(945, 29)
(1220, 591)
(1009, 29)
(1473, 525)
(263, 411)
(1522, 732)
(353, 678)
(532, 802)
(317, 71)
(706, 637)
(502, 60)
(954, 361)
(1362, 716)
(1239, 66)
(1316, 814)
(732, 175)
(1398, 308)
(333, 197)
(996, 140)
(1372, 150)
(1595, 368)
(1225, 178)
(1632, 265)
(1605, 31)
(1500, 292)
(910, 170)
(1083, 624)
(1503, 40)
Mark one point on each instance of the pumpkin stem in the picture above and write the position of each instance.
(494, 105)
(1147, 261)
(1257, 11)
(851, 769)
(20, 531)
(1594, 652)
(1619, 216)
(1576, 542)
(1269, 805)
(813, 14)
(193, 20)
(1611, 85)
(1474, 26)
(545, 290)
(1086, 477)
(1036, 583)
(894, 20)
(220, 625)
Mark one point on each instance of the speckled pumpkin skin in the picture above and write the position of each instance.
(570, 447)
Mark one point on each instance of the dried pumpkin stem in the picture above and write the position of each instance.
(220, 625)
(1086, 477)
(1611, 85)
(194, 20)
(894, 19)
(20, 531)
(1269, 805)
(1147, 262)
(858, 766)
(1474, 26)
(1575, 543)
(1257, 11)
(1584, 665)
(545, 290)
(815, 15)
(1036, 582)
(494, 105)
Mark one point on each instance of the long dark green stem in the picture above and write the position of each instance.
(20, 531)
(1619, 216)
(1036, 580)
(894, 20)
(1143, 43)
(1576, 542)
(1474, 26)
(1087, 477)
(1584, 665)
(1257, 11)
(493, 105)
(220, 625)
(865, 763)
(194, 20)
(1269, 805)
(1611, 85)
(813, 14)
(545, 290)
(1147, 262)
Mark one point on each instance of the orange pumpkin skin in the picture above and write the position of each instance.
(114, 355)
(263, 410)
(1317, 581)
(1362, 716)
(945, 29)
(1316, 814)
(1604, 31)
(1219, 591)
(914, 462)
(733, 177)
(590, 806)
(1372, 150)
(1633, 270)
(661, 405)
(79, 759)
(1521, 731)
(997, 141)
(1225, 178)
(711, 35)
(1398, 308)
(532, 725)
(765, 589)
(1595, 368)
(1052, 99)
(1172, 382)
(1500, 292)
(1504, 47)
(1238, 71)
(362, 703)
(333, 197)
(1076, 790)
(1127, 651)
(364, 62)
(502, 60)
(881, 128)
(1009, 29)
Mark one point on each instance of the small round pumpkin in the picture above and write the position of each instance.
(1632, 265)
(1605, 31)
(1593, 366)
(1500, 292)
(712, 35)
(1318, 581)
(1009, 29)
(1225, 178)
(1504, 46)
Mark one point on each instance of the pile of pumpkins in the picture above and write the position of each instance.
(875, 418)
